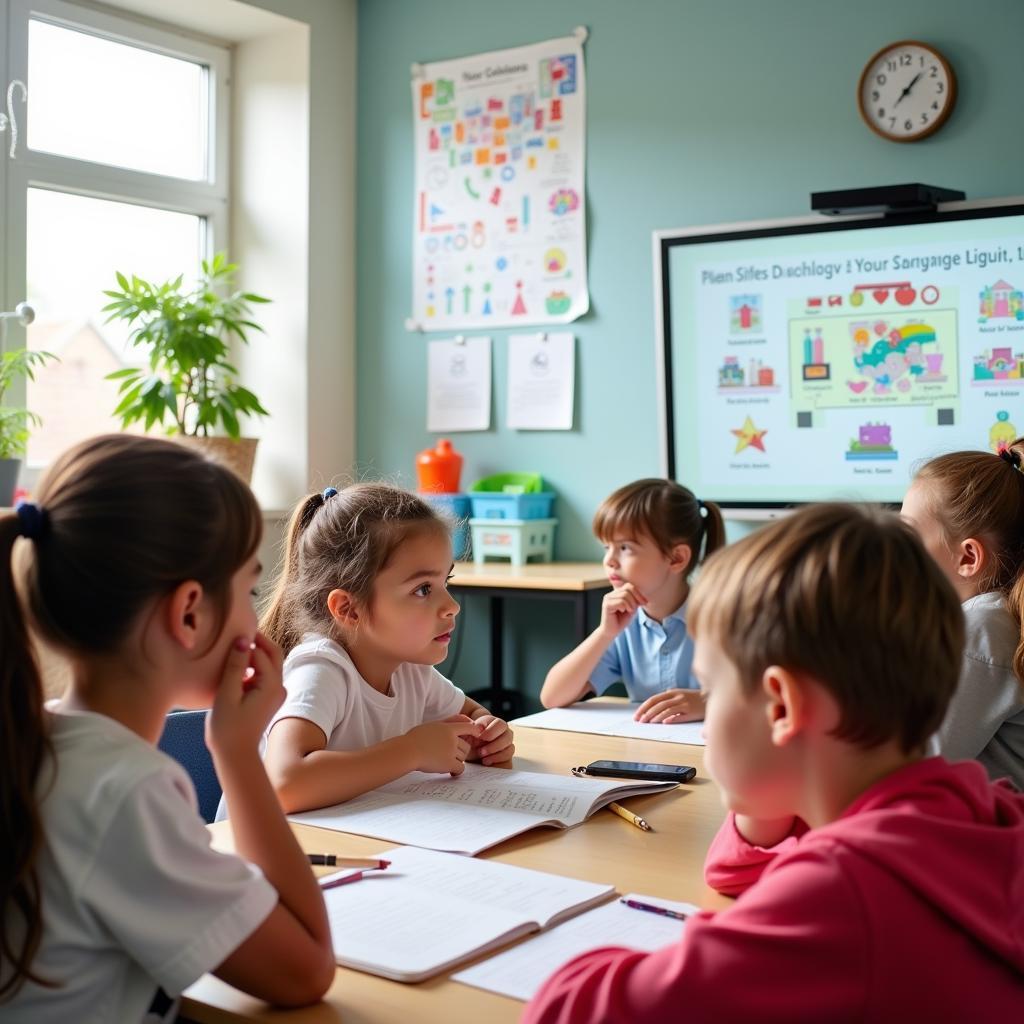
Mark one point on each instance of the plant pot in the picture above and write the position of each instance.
(238, 455)
(9, 469)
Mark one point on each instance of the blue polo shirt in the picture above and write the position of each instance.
(648, 656)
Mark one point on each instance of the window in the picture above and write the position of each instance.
(121, 165)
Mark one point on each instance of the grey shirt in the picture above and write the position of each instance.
(985, 719)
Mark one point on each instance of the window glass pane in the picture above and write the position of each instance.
(75, 244)
(93, 99)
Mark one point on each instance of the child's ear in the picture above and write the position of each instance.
(343, 608)
(786, 704)
(970, 558)
(184, 613)
(679, 558)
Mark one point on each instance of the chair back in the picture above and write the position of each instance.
(183, 739)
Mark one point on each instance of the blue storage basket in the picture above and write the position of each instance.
(457, 509)
(494, 505)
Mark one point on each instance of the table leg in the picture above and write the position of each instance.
(580, 617)
(497, 652)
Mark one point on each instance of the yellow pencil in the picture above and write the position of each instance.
(633, 819)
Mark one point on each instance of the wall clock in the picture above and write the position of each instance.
(907, 91)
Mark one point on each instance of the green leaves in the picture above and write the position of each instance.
(15, 422)
(186, 334)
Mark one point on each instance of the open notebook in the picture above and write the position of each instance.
(480, 808)
(430, 911)
(520, 971)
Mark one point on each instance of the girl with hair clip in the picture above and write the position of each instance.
(655, 533)
(968, 508)
(363, 613)
(138, 564)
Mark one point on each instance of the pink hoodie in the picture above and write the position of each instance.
(910, 907)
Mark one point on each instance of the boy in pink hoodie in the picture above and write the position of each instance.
(875, 884)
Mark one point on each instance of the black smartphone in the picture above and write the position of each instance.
(642, 770)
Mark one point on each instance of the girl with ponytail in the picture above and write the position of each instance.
(139, 562)
(363, 614)
(968, 508)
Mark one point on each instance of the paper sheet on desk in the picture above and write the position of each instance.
(480, 808)
(612, 720)
(520, 971)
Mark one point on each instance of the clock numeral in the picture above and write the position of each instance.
(875, 94)
(921, 59)
(908, 124)
(890, 65)
(881, 111)
(933, 71)
(940, 88)
(924, 119)
(906, 60)
(892, 122)
(935, 105)
(881, 79)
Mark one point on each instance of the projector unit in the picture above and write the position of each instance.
(885, 199)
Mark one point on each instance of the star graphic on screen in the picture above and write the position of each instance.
(749, 436)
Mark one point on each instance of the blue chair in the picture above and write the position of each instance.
(183, 740)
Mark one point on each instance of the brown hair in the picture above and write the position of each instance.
(977, 494)
(341, 542)
(849, 596)
(667, 513)
(124, 519)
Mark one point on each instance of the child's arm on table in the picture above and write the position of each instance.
(569, 679)
(672, 707)
(494, 745)
(306, 775)
(744, 847)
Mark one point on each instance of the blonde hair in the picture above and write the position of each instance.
(977, 494)
(340, 542)
(666, 512)
(849, 596)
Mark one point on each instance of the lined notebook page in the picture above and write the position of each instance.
(430, 910)
(480, 808)
(520, 971)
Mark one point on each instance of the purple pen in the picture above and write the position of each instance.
(652, 909)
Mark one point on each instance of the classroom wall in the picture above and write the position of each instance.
(699, 112)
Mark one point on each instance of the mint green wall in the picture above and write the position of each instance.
(698, 112)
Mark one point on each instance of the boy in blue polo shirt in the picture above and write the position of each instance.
(654, 533)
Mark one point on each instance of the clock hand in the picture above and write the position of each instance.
(906, 92)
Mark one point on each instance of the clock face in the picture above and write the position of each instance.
(906, 91)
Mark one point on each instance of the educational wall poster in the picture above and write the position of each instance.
(811, 366)
(459, 384)
(499, 233)
(541, 380)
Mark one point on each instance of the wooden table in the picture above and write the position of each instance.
(667, 862)
(560, 581)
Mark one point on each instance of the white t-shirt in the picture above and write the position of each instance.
(133, 897)
(325, 688)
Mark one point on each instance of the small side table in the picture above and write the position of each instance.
(546, 581)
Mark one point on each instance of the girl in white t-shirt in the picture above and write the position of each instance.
(363, 613)
(138, 563)
(968, 508)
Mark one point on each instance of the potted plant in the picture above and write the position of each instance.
(189, 384)
(16, 422)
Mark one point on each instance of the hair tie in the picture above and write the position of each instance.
(1009, 455)
(700, 507)
(329, 492)
(32, 518)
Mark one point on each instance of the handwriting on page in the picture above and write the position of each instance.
(466, 814)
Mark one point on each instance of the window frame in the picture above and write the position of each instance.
(207, 198)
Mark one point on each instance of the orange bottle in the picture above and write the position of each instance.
(438, 469)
